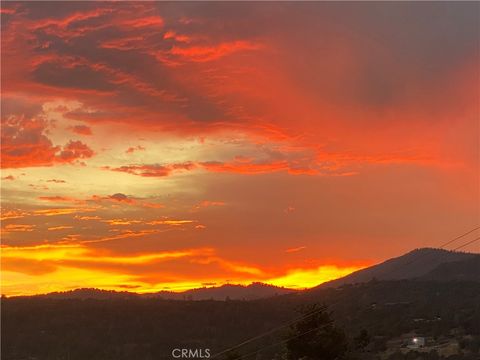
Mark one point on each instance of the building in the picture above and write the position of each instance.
(416, 342)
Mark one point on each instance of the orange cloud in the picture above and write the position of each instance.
(13, 214)
(18, 228)
(292, 250)
(208, 203)
(87, 217)
(170, 222)
(60, 211)
(125, 235)
(60, 254)
(114, 222)
(55, 228)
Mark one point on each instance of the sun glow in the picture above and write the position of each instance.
(307, 278)
(47, 268)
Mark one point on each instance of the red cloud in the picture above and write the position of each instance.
(266, 87)
(81, 129)
(177, 37)
(72, 18)
(24, 144)
(155, 21)
(152, 170)
(127, 43)
(74, 150)
(213, 52)
(60, 199)
(118, 197)
(7, 11)
(127, 200)
(131, 149)
(246, 166)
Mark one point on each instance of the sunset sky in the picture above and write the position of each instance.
(164, 146)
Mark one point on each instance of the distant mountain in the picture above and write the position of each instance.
(233, 292)
(427, 262)
(89, 293)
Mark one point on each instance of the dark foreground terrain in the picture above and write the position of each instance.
(379, 318)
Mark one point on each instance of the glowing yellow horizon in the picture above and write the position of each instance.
(41, 269)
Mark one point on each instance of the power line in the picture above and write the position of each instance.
(459, 237)
(282, 342)
(291, 322)
(468, 243)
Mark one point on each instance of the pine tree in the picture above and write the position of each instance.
(315, 337)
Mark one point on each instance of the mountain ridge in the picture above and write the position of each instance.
(255, 290)
(412, 265)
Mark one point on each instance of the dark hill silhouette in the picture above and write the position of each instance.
(228, 291)
(415, 264)
(465, 270)
(233, 292)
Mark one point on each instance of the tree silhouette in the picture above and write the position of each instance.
(362, 340)
(315, 337)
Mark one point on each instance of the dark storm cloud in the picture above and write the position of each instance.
(392, 52)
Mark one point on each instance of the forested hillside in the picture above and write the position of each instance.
(151, 328)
